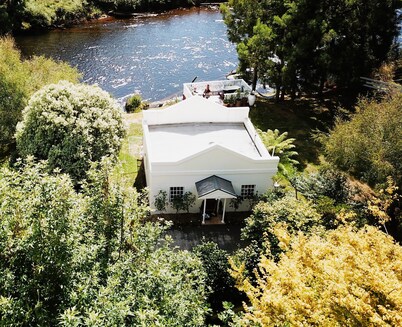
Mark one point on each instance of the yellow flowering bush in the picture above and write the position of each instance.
(344, 278)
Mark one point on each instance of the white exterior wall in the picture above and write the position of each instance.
(263, 182)
(219, 161)
(214, 160)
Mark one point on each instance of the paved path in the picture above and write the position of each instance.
(227, 236)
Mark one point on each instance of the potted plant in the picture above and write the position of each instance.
(238, 98)
(232, 100)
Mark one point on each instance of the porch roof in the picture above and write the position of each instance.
(215, 187)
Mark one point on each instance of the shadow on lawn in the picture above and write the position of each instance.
(300, 118)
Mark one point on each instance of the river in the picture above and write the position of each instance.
(152, 55)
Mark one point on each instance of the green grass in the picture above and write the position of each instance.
(300, 118)
(130, 150)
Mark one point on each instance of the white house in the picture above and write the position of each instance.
(205, 148)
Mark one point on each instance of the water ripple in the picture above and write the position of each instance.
(150, 55)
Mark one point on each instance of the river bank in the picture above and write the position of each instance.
(39, 16)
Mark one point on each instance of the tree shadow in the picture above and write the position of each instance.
(140, 180)
(302, 119)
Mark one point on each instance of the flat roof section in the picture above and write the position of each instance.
(173, 142)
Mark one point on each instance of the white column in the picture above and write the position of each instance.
(205, 208)
(224, 208)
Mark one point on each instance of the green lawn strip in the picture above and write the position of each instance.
(130, 151)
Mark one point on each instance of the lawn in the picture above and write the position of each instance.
(300, 118)
(130, 151)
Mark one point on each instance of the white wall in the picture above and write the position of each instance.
(236, 168)
(215, 160)
(263, 182)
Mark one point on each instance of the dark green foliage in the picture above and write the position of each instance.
(298, 215)
(38, 215)
(88, 259)
(184, 202)
(236, 202)
(161, 201)
(133, 103)
(301, 45)
(369, 146)
(331, 194)
(216, 265)
(326, 182)
(188, 201)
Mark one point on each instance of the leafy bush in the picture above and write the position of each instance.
(161, 201)
(134, 103)
(369, 146)
(299, 215)
(47, 13)
(188, 201)
(88, 259)
(183, 202)
(19, 79)
(216, 265)
(344, 278)
(280, 145)
(70, 126)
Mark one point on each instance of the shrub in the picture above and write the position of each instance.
(70, 126)
(19, 79)
(161, 201)
(298, 215)
(216, 265)
(369, 146)
(343, 278)
(134, 103)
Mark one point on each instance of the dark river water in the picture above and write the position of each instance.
(151, 55)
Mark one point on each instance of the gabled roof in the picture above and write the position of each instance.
(215, 184)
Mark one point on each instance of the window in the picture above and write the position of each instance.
(176, 191)
(247, 191)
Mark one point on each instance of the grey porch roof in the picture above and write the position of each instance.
(214, 183)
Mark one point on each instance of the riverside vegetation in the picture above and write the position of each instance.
(76, 248)
(24, 15)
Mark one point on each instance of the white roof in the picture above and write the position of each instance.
(196, 125)
(174, 142)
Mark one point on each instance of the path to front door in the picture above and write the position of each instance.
(227, 236)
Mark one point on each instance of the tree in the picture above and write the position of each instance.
(298, 215)
(19, 79)
(280, 145)
(188, 201)
(69, 126)
(11, 14)
(302, 44)
(369, 146)
(69, 258)
(344, 278)
(37, 243)
(216, 264)
(241, 16)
